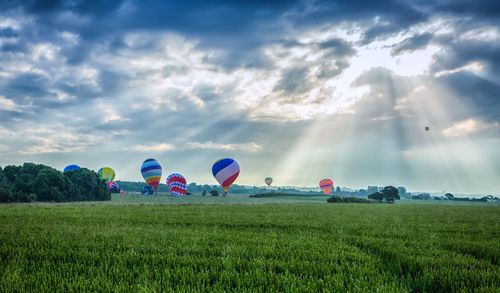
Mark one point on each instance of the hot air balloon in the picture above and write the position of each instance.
(147, 190)
(113, 187)
(268, 180)
(71, 168)
(177, 184)
(225, 172)
(151, 171)
(107, 174)
(427, 128)
(326, 186)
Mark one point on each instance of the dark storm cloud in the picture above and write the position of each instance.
(413, 43)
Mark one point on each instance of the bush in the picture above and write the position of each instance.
(340, 199)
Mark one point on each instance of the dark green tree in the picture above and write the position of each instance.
(51, 185)
(5, 195)
(449, 196)
(390, 193)
(88, 185)
(10, 173)
(376, 196)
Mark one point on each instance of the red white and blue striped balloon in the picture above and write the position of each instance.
(177, 184)
(225, 172)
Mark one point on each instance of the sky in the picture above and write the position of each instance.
(295, 90)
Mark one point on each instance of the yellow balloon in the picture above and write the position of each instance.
(107, 174)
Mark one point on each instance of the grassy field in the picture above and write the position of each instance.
(137, 244)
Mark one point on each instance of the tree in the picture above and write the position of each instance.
(372, 189)
(5, 195)
(10, 173)
(51, 185)
(337, 190)
(376, 196)
(449, 196)
(390, 193)
(402, 191)
(214, 192)
(422, 196)
(32, 182)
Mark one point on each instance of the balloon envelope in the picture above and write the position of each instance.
(107, 174)
(151, 171)
(225, 172)
(148, 190)
(113, 187)
(326, 186)
(427, 128)
(177, 184)
(71, 168)
(268, 180)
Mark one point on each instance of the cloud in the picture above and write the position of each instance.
(470, 127)
(338, 47)
(152, 148)
(413, 43)
(294, 81)
(85, 79)
(478, 92)
(50, 140)
(7, 104)
(249, 147)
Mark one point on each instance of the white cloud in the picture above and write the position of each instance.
(45, 50)
(52, 141)
(7, 104)
(249, 147)
(468, 127)
(151, 148)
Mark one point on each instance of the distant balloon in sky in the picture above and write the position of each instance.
(427, 128)
(151, 171)
(148, 190)
(326, 186)
(268, 180)
(177, 184)
(107, 174)
(113, 187)
(225, 172)
(71, 168)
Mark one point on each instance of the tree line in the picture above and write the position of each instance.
(194, 188)
(36, 182)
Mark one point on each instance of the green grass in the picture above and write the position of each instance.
(127, 245)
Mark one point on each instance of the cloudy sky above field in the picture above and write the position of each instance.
(296, 90)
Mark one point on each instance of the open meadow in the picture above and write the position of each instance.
(158, 243)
